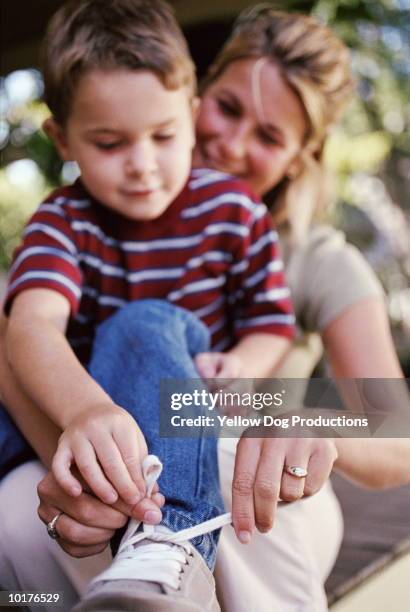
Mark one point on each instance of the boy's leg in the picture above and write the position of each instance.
(14, 449)
(136, 347)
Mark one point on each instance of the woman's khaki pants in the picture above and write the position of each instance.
(282, 571)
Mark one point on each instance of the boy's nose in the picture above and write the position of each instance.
(141, 159)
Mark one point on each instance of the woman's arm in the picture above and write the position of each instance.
(359, 345)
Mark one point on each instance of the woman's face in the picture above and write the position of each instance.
(251, 124)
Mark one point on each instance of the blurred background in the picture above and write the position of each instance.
(369, 152)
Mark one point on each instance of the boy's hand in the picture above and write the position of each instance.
(108, 448)
(218, 365)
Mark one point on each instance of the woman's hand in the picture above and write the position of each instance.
(107, 446)
(259, 479)
(87, 524)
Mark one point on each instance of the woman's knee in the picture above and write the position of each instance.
(18, 508)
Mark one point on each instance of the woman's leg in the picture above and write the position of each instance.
(285, 569)
(142, 343)
(29, 559)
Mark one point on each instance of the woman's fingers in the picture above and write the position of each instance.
(267, 486)
(86, 525)
(243, 512)
(85, 509)
(316, 456)
(320, 467)
(261, 478)
(292, 487)
(76, 538)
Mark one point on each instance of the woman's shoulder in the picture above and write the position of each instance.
(327, 275)
(322, 250)
(321, 239)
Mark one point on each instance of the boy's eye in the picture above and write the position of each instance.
(107, 146)
(163, 136)
(227, 108)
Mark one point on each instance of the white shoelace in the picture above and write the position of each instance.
(158, 561)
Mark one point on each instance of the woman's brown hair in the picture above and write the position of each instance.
(316, 64)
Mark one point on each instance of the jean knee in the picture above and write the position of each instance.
(159, 319)
(196, 333)
(136, 315)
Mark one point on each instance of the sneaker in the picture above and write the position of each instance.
(156, 570)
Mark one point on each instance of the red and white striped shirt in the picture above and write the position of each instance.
(214, 252)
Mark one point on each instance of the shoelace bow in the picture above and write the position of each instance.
(156, 562)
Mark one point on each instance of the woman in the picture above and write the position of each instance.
(268, 102)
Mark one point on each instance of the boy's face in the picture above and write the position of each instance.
(132, 139)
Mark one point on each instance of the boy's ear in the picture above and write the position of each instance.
(57, 134)
(195, 104)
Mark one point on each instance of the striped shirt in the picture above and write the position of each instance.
(213, 251)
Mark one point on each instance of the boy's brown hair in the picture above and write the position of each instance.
(86, 35)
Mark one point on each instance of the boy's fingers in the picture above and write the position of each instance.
(243, 513)
(87, 464)
(114, 468)
(226, 369)
(159, 499)
(206, 365)
(61, 465)
(133, 450)
(147, 510)
(138, 510)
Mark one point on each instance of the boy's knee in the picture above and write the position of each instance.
(158, 320)
(138, 314)
(197, 334)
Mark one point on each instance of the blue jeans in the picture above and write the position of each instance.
(14, 449)
(141, 343)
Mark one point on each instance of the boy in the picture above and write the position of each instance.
(137, 225)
